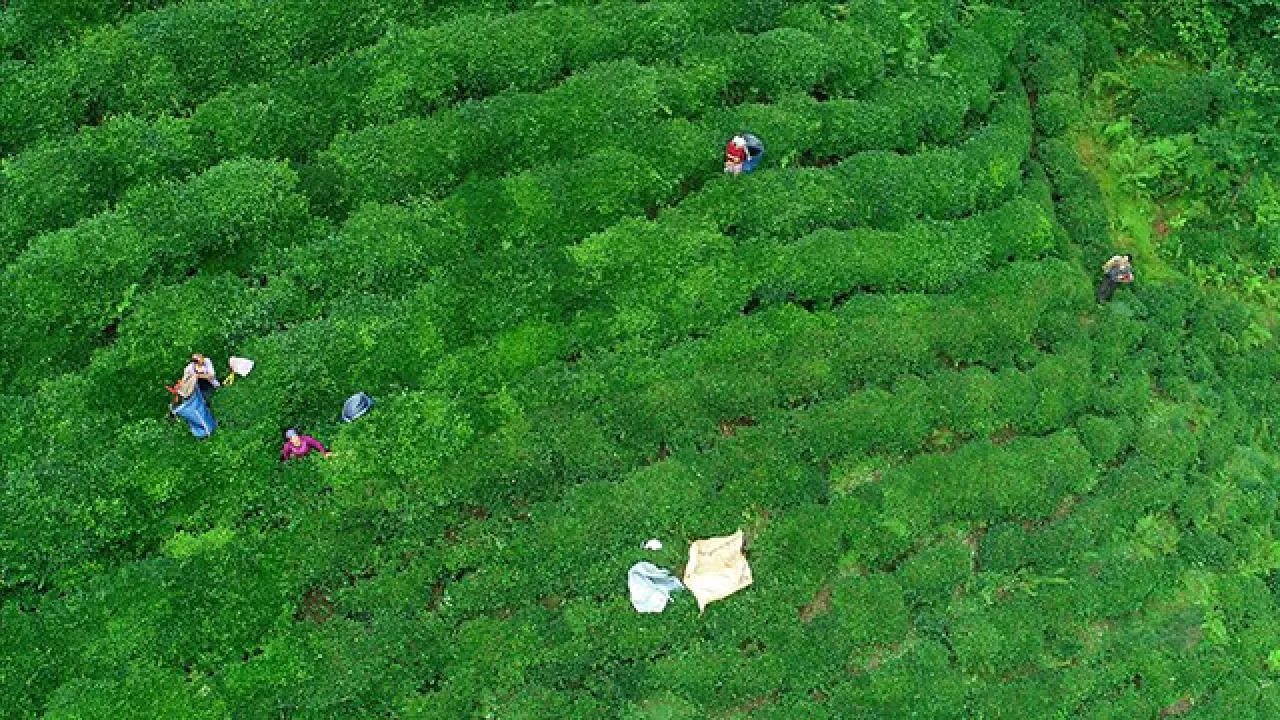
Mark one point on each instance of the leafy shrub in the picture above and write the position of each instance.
(176, 56)
(870, 609)
(998, 640)
(1056, 112)
(984, 483)
(1103, 437)
(152, 690)
(1056, 70)
(1116, 583)
(929, 257)
(921, 680)
(550, 367)
(53, 184)
(932, 576)
(1167, 101)
(783, 60)
(235, 211)
(1005, 548)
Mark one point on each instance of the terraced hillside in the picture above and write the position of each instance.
(968, 489)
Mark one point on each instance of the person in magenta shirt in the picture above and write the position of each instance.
(295, 445)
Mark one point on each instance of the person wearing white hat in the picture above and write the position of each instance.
(735, 155)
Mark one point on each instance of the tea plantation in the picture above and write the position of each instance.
(968, 489)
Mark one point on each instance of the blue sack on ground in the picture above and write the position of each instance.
(755, 151)
(355, 406)
(197, 414)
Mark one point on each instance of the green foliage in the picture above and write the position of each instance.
(965, 487)
(1056, 112)
(1104, 437)
(176, 56)
(53, 184)
(933, 575)
(140, 691)
(1167, 102)
(870, 610)
(233, 212)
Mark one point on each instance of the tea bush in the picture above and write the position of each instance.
(965, 487)
(234, 211)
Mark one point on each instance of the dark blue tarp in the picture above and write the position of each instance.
(755, 151)
(196, 412)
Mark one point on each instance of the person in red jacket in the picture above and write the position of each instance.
(735, 154)
(295, 445)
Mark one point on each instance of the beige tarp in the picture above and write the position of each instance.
(717, 569)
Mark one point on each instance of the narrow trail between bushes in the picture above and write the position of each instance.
(1135, 221)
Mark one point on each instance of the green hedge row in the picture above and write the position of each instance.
(669, 278)
(985, 483)
(546, 558)
(772, 465)
(597, 108)
(300, 112)
(55, 182)
(305, 373)
(971, 403)
(858, 191)
(878, 187)
(554, 207)
(1064, 46)
(172, 58)
(31, 29)
(65, 293)
(308, 393)
(223, 602)
(622, 264)
(776, 358)
(1079, 208)
(571, 202)
(922, 257)
(614, 104)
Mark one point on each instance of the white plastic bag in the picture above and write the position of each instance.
(240, 366)
(650, 587)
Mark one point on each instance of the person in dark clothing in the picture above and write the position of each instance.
(1119, 269)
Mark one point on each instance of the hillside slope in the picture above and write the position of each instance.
(968, 490)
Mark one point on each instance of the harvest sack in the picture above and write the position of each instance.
(650, 587)
(755, 151)
(241, 366)
(196, 413)
(717, 569)
(355, 406)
